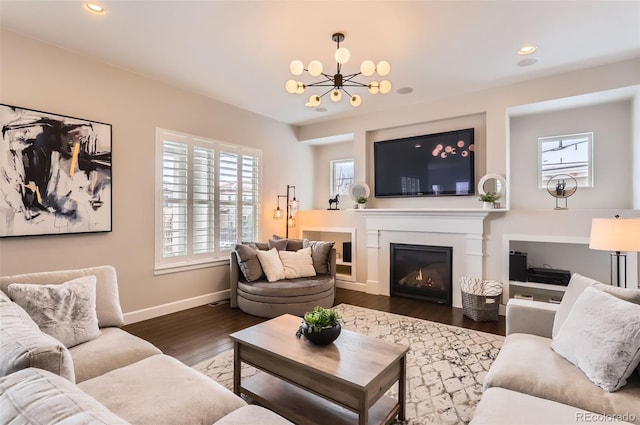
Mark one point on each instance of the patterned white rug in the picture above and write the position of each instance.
(445, 364)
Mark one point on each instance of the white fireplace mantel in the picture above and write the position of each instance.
(463, 230)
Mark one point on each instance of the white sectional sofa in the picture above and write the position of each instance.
(112, 378)
(531, 383)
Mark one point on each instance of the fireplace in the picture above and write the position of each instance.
(421, 271)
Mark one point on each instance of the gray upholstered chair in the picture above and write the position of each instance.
(294, 296)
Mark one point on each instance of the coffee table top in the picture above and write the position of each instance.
(353, 358)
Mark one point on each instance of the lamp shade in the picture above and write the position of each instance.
(615, 234)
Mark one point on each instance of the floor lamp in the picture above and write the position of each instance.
(291, 209)
(617, 235)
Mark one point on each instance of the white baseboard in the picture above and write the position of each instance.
(161, 310)
(354, 286)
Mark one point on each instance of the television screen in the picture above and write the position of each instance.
(429, 165)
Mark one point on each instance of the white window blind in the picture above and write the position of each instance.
(208, 199)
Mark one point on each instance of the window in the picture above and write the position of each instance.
(568, 155)
(207, 201)
(342, 176)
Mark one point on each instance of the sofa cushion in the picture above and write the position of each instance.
(320, 252)
(601, 336)
(23, 345)
(287, 290)
(505, 407)
(160, 390)
(252, 414)
(297, 264)
(248, 262)
(113, 349)
(527, 364)
(108, 307)
(36, 396)
(271, 264)
(66, 311)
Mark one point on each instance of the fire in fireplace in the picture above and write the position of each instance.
(422, 271)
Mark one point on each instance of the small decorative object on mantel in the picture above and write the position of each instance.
(488, 200)
(562, 186)
(362, 201)
(491, 188)
(333, 202)
(359, 192)
(320, 326)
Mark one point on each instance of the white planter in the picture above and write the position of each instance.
(487, 205)
(361, 206)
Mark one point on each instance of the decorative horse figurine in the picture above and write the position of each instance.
(334, 201)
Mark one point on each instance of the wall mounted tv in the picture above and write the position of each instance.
(430, 165)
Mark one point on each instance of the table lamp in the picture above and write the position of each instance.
(618, 235)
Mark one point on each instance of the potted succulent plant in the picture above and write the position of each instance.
(361, 200)
(488, 199)
(320, 326)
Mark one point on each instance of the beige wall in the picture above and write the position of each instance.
(38, 76)
(42, 77)
(534, 217)
(612, 166)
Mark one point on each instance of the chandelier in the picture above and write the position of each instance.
(339, 82)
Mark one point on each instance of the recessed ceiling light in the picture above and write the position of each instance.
(321, 109)
(94, 7)
(405, 90)
(528, 61)
(527, 49)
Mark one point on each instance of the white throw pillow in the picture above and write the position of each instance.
(297, 264)
(601, 336)
(577, 284)
(271, 264)
(65, 311)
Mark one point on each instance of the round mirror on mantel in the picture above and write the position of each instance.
(493, 183)
(359, 192)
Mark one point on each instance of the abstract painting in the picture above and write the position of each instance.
(55, 174)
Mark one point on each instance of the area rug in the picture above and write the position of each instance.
(445, 364)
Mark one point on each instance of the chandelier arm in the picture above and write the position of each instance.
(344, 90)
(355, 84)
(320, 84)
(327, 92)
(350, 76)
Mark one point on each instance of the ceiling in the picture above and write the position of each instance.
(239, 52)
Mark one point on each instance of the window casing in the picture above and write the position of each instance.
(207, 199)
(342, 176)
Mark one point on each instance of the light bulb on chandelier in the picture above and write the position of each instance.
(338, 83)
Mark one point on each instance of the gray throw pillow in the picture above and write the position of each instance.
(65, 311)
(278, 244)
(292, 244)
(248, 262)
(320, 251)
(601, 336)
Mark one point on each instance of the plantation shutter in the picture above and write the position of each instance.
(175, 188)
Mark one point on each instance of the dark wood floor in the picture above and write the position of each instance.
(199, 333)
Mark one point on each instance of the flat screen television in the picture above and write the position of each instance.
(430, 165)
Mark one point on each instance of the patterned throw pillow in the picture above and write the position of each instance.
(601, 336)
(65, 311)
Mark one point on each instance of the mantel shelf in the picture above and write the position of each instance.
(430, 211)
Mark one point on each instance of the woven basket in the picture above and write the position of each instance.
(480, 308)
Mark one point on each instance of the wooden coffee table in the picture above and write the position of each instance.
(340, 383)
